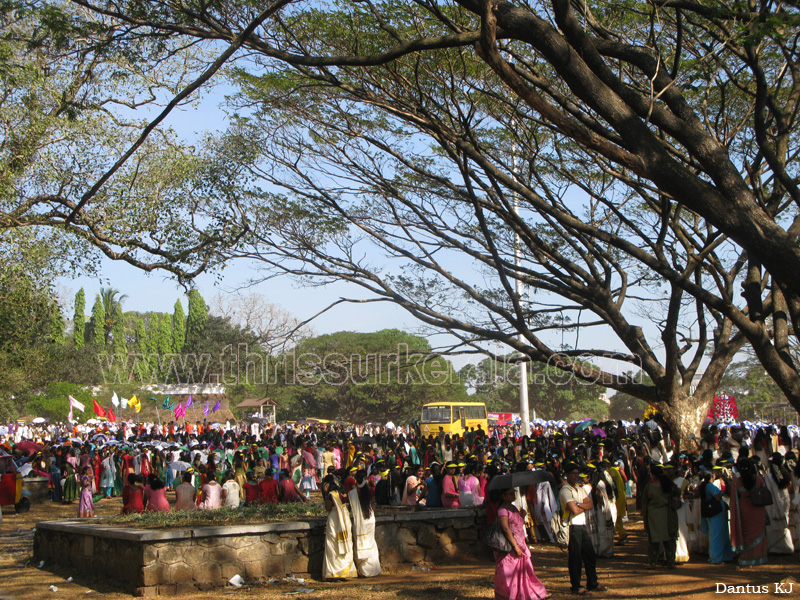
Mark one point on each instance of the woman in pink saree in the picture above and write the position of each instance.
(514, 577)
(748, 522)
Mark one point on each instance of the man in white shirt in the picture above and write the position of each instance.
(580, 549)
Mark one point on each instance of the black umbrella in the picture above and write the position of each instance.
(518, 479)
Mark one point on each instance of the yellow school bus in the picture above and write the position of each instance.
(452, 417)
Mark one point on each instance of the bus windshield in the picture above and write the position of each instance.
(436, 414)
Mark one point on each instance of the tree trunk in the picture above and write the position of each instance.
(685, 415)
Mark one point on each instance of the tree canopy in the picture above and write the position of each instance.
(363, 377)
(77, 175)
(625, 161)
(551, 394)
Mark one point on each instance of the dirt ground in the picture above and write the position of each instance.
(625, 574)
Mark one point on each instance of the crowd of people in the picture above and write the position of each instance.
(732, 493)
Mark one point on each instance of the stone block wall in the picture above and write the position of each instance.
(149, 562)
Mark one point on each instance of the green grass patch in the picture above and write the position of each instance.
(175, 519)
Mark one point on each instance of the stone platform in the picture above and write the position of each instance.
(148, 562)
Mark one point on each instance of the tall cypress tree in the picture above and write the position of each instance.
(178, 328)
(118, 331)
(79, 319)
(140, 333)
(153, 333)
(57, 326)
(197, 319)
(96, 323)
(165, 335)
(142, 362)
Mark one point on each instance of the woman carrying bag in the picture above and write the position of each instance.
(514, 577)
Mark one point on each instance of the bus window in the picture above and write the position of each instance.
(436, 414)
(476, 412)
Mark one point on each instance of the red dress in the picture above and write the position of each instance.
(132, 499)
(252, 493)
(289, 491)
(269, 491)
(127, 467)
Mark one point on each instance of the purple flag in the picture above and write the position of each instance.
(217, 406)
(189, 401)
(206, 410)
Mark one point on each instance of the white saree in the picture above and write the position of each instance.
(779, 537)
(338, 562)
(684, 518)
(367, 558)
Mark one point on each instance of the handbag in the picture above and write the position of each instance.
(560, 527)
(761, 496)
(494, 537)
(710, 507)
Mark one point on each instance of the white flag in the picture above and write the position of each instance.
(115, 399)
(75, 404)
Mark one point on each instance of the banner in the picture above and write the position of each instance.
(115, 399)
(98, 410)
(206, 409)
(505, 417)
(112, 418)
(134, 402)
(217, 406)
(75, 404)
(189, 401)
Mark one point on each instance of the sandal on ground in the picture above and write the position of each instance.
(579, 592)
(599, 588)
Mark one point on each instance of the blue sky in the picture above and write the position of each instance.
(157, 293)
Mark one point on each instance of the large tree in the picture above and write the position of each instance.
(646, 142)
(550, 393)
(363, 377)
(27, 312)
(97, 336)
(178, 328)
(196, 320)
(77, 173)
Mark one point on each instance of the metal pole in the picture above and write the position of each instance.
(523, 365)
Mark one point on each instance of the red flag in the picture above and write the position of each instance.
(111, 416)
(98, 410)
